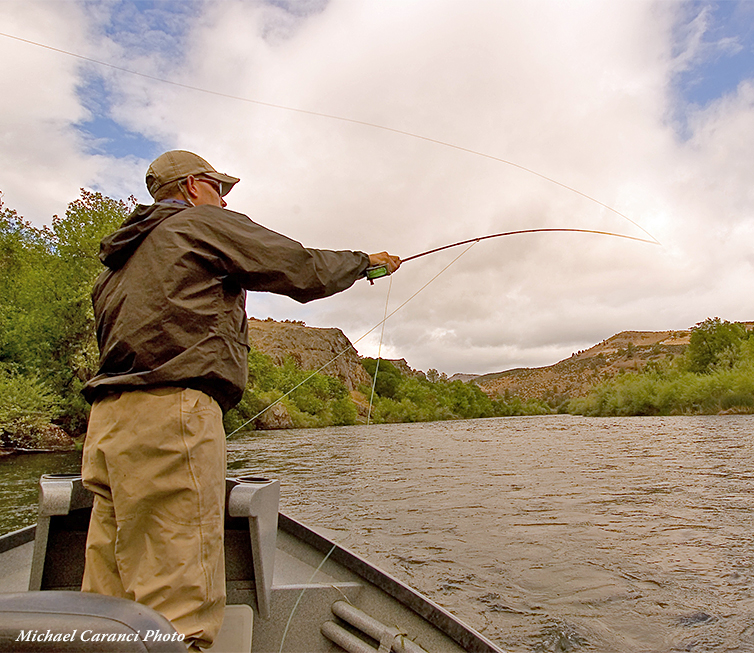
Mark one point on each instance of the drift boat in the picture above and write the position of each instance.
(289, 589)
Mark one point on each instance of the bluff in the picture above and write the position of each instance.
(310, 348)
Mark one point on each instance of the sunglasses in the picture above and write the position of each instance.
(216, 185)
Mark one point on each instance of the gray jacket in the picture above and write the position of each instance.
(170, 305)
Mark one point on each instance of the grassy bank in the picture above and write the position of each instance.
(716, 374)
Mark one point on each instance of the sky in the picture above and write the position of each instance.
(643, 112)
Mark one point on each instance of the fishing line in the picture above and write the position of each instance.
(470, 242)
(375, 126)
(330, 116)
(300, 596)
(351, 346)
(379, 354)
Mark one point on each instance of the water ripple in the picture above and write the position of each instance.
(558, 533)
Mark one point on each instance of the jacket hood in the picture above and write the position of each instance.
(119, 246)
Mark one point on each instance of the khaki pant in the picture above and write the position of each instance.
(155, 461)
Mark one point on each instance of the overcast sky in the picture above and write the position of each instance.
(648, 107)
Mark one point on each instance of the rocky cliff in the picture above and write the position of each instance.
(310, 348)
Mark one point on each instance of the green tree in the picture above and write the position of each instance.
(46, 323)
(714, 343)
(26, 406)
(388, 376)
(311, 399)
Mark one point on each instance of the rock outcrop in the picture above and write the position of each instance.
(275, 417)
(36, 438)
(310, 348)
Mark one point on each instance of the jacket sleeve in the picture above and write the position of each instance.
(259, 259)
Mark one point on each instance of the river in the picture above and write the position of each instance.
(557, 533)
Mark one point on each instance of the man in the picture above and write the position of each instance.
(172, 334)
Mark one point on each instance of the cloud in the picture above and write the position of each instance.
(580, 92)
(48, 152)
(38, 107)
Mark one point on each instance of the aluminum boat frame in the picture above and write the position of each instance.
(289, 588)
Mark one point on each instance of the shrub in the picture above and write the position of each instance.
(27, 405)
(311, 399)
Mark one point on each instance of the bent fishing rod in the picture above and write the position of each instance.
(379, 271)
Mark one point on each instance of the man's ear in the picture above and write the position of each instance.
(192, 190)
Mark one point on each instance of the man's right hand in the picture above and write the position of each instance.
(383, 258)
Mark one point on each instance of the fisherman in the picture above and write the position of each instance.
(173, 339)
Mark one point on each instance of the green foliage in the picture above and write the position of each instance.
(513, 406)
(26, 406)
(46, 277)
(310, 399)
(714, 343)
(388, 376)
(403, 398)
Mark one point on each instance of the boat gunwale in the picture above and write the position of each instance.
(465, 636)
(14, 539)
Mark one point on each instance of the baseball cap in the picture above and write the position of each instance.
(179, 164)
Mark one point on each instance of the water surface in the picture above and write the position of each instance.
(19, 484)
(552, 533)
(555, 533)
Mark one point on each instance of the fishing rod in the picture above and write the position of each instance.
(379, 271)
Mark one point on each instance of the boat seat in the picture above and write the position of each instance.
(251, 519)
(39, 622)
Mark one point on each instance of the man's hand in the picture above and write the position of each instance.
(383, 258)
